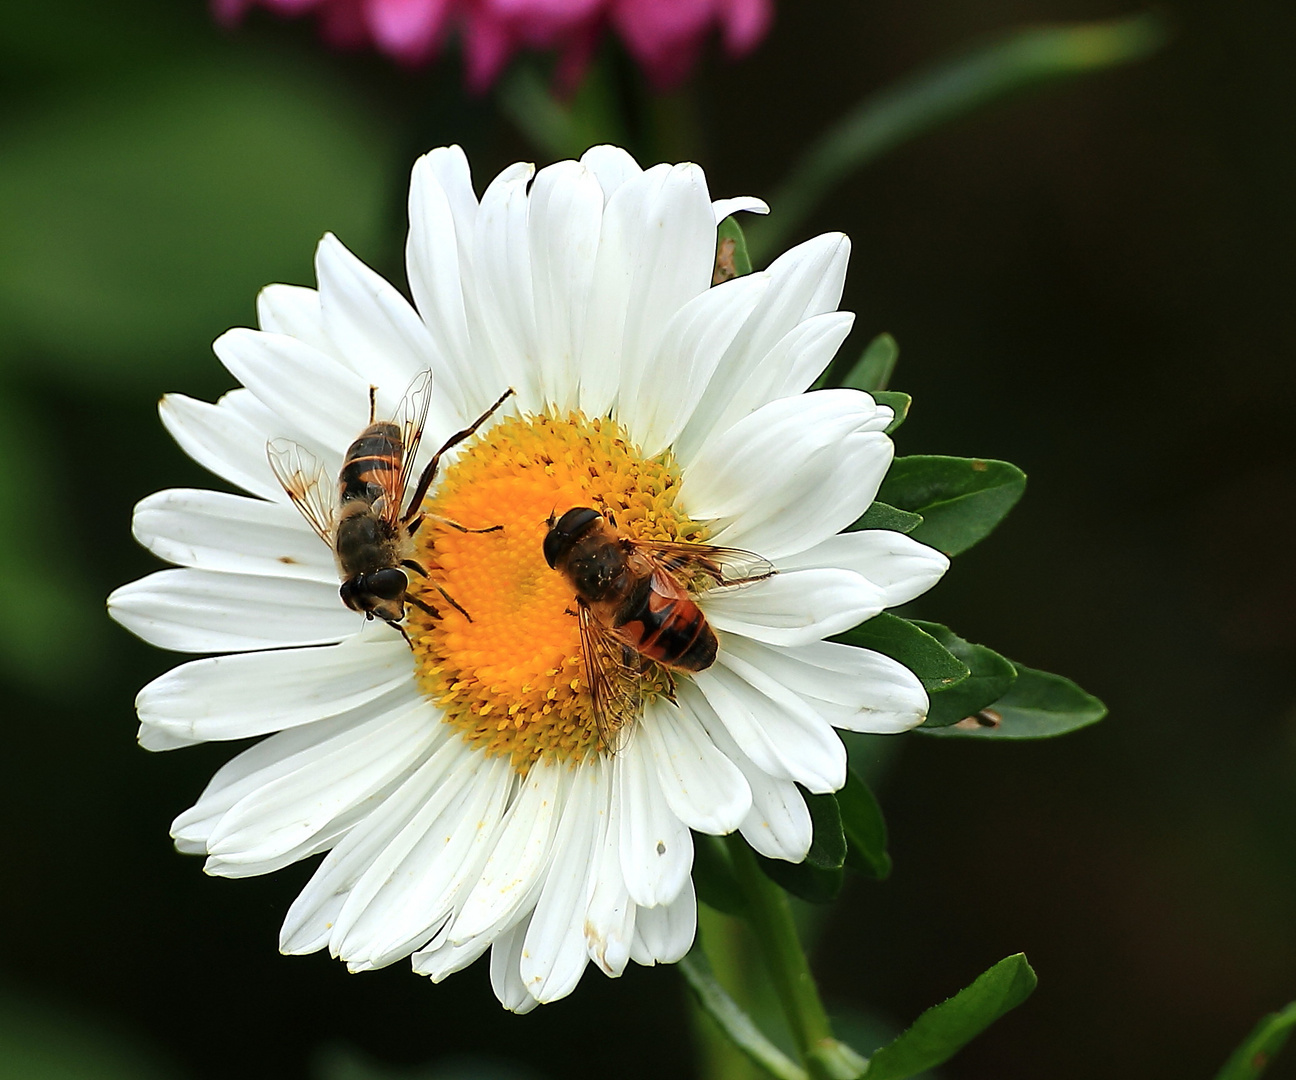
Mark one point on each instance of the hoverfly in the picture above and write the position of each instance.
(361, 519)
(635, 602)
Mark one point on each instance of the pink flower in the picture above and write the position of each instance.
(665, 36)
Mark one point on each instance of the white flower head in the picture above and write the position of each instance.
(456, 783)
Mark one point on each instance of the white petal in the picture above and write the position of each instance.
(610, 292)
(611, 165)
(554, 954)
(673, 254)
(609, 920)
(311, 918)
(445, 958)
(795, 607)
(338, 775)
(723, 208)
(449, 165)
(521, 851)
(326, 400)
(804, 283)
(234, 697)
(787, 369)
(200, 611)
(857, 689)
(656, 409)
(656, 848)
(505, 304)
(265, 762)
(376, 332)
(433, 257)
(293, 310)
(664, 934)
(213, 530)
(221, 440)
(778, 824)
(566, 216)
(703, 788)
(506, 979)
(406, 893)
(776, 728)
(781, 437)
(901, 567)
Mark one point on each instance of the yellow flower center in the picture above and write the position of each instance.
(512, 679)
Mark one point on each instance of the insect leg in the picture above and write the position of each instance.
(462, 528)
(433, 611)
(410, 564)
(373, 402)
(429, 472)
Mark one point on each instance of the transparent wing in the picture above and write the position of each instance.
(615, 680)
(411, 415)
(303, 477)
(704, 566)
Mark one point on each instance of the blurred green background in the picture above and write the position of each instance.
(1093, 282)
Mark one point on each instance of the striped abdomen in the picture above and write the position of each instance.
(660, 620)
(372, 464)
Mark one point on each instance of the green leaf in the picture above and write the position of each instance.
(1260, 1047)
(945, 1028)
(899, 403)
(866, 832)
(882, 516)
(1039, 705)
(713, 876)
(873, 370)
(949, 89)
(991, 677)
(732, 259)
(819, 878)
(901, 640)
(961, 499)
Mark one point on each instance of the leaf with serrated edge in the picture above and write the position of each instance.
(991, 678)
(961, 499)
(944, 1029)
(1039, 705)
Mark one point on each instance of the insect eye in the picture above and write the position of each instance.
(389, 584)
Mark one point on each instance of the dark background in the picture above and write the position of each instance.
(1093, 282)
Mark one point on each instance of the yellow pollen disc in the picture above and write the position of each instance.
(512, 679)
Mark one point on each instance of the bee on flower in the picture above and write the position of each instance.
(465, 785)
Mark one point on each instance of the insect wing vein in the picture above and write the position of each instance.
(411, 415)
(614, 685)
(306, 483)
(705, 566)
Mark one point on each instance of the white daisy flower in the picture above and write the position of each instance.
(457, 785)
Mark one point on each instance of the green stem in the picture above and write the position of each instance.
(775, 931)
(739, 1033)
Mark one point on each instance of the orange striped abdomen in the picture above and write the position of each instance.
(372, 464)
(662, 622)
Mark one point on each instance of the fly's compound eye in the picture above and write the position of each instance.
(389, 584)
(564, 532)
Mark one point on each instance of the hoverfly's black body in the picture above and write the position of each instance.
(372, 539)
